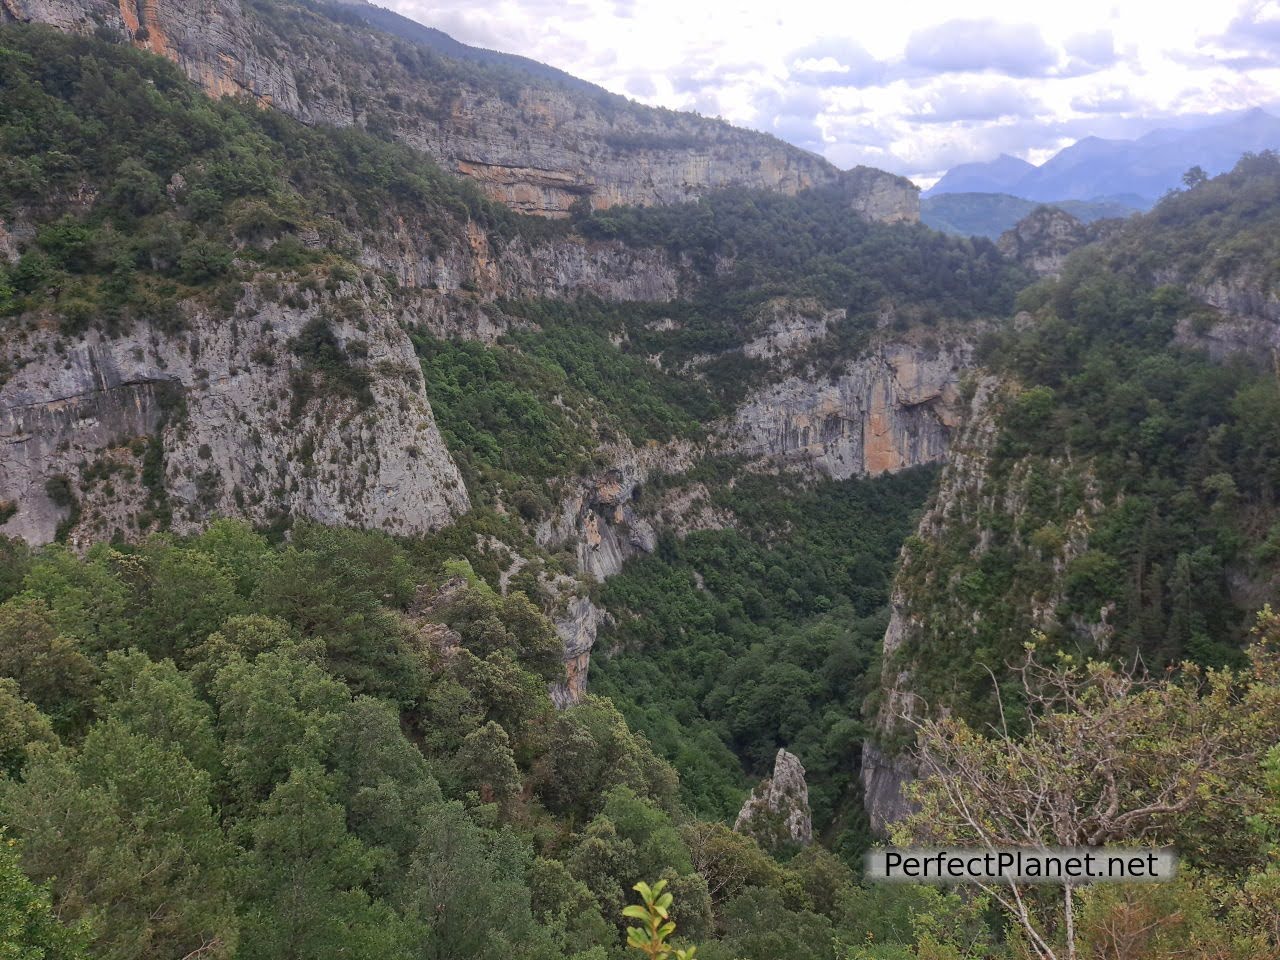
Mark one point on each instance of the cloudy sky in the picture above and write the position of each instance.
(913, 87)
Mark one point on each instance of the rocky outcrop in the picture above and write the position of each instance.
(777, 812)
(885, 778)
(880, 197)
(473, 270)
(787, 327)
(214, 41)
(598, 517)
(534, 144)
(1245, 316)
(890, 409)
(232, 432)
(1042, 240)
(578, 627)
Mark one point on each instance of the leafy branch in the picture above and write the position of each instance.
(651, 939)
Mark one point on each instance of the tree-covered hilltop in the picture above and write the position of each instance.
(1219, 231)
(752, 243)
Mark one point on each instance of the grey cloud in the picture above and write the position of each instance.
(853, 65)
(702, 73)
(641, 85)
(1250, 30)
(952, 102)
(1112, 100)
(1250, 42)
(791, 115)
(846, 155)
(958, 46)
(1098, 49)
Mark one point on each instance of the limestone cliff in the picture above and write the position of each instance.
(598, 519)
(890, 409)
(578, 627)
(977, 510)
(894, 407)
(1245, 317)
(529, 141)
(885, 772)
(777, 812)
(218, 410)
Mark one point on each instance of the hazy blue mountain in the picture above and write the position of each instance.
(1133, 172)
(991, 214)
(993, 176)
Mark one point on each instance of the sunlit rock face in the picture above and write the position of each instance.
(891, 409)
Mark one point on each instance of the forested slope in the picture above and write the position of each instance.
(1122, 497)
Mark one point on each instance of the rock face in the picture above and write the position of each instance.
(884, 771)
(107, 431)
(1248, 321)
(891, 409)
(884, 782)
(787, 327)
(1041, 240)
(534, 144)
(777, 812)
(577, 627)
(881, 198)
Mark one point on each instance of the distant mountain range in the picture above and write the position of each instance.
(1134, 173)
(991, 214)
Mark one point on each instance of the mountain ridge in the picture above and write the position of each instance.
(1138, 171)
(536, 145)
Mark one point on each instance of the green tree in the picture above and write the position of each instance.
(303, 880)
(275, 714)
(22, 728)
(487, 765)
(186, 595)
(156, 701)
(124, 834)
(466, 889)
(49, 668)
(29, 929)
(1194, 177)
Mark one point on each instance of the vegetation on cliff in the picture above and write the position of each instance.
(1128, 501)
(143, 193)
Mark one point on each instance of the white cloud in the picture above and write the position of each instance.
(910, 88)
